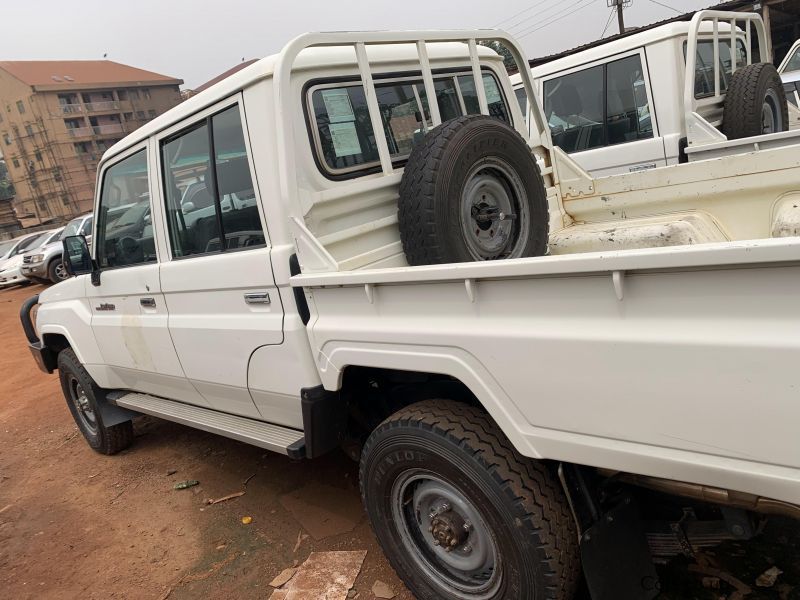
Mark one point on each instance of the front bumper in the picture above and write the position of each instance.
(34, 270)
(12, 277)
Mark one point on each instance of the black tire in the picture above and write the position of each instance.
(755, 95)
(53, 273)
(523, 515)
(472, 161)
(74, 380)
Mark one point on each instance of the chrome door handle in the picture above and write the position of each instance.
(257, 298)
(148, 302)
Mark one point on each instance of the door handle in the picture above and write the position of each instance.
(148, 302)
(257, 298)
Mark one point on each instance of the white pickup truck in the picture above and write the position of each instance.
(503, 412)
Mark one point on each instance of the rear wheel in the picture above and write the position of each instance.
(460, 514)
(82, 395)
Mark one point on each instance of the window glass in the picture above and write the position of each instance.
(704, 71)
(122, 242)
(344, 128)
(628, 111)
(208, 202)
(793, 64)
(87, 225)
(522, 99)
(574, 107)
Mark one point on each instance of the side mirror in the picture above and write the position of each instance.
(77, 260)
(187, 207)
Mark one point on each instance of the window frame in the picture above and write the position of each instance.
(604, 62)
(182, 127)
(95, 229)
(372, 167)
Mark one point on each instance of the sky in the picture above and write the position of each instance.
(197, 40)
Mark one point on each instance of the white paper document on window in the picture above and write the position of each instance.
(345, 139)
(337, 103)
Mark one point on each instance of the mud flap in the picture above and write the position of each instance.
(616, 557)
(110, 413)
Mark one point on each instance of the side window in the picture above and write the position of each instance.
(209, 191)
(704, 70)
(87, 226)
(343, 129)
(522, 99)
(124, 231)
(574, 108)
(599, 106)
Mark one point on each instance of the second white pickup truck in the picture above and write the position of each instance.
(503, 412)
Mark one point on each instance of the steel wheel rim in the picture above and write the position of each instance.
(61, 271)
(82, 405)
(431, 513)
(771, 116)
(494, 191)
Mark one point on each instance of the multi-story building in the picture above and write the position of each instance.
(56, 120)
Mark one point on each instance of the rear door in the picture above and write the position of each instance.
(217, 279)
(601, 115)
(129, 314)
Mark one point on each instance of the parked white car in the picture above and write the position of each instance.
(789, 70)
(501, 410)
(11, 261)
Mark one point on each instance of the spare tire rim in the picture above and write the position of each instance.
(494, 211)
(445, 535)
(771, 116)
(81, 402)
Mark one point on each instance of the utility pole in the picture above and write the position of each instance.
(620, 4)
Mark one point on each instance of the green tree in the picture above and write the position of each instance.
(508, 60)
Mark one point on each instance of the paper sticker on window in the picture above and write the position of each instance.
(492, 91)
(337, 103)
(345, 139)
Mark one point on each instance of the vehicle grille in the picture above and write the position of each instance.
(26, 259)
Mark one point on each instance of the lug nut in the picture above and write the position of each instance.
(435, 542)
(444, 507)
(467, 525)
(467, 548)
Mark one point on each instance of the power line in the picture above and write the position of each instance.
(522, 12)
(533, 16)
(557, 18)
(608, 22)
(667, 6)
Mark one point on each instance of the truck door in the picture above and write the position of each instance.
(217, 280)
(129, 315)
(602, 116)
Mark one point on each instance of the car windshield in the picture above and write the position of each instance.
(72, 228)
(793, 64)
(33, 242)
(133, 214)
(53, 237)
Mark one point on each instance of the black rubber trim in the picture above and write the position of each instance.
(324, 420)
(45, 358)
(25, 317)
(299, 294)
(297, 450)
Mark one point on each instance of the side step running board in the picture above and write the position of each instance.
(283, 440)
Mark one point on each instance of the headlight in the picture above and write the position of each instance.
(37, 258)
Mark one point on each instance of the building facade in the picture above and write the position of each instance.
(56, 120)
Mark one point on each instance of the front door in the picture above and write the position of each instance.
(217, 282)
(129, 314)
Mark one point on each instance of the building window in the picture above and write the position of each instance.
(122, 95)
(128, 116)
(134, 94)
(57, 173)
(20, 107)
(16, 163)
(29, 130)
(65, 200)
(81, 148)
(146, 93)
(1, 117)
(151, 113)
(38, 156)
(43, 206)
(6, 139)
(140, 115)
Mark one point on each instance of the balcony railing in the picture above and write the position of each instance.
(77, 132)
(101, 106)
(108, 129)
(71, 109)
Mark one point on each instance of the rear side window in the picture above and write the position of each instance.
(125, 189)
(599, 106)
(704, 71)
(342, 129)
(210, 198)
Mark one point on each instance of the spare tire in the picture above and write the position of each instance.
(755, 103)
(472, 191)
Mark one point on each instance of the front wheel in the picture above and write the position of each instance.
(81, 393)
(460, 514)
(56, 271)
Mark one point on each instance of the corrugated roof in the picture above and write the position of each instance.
(75, 73)
(225, 75)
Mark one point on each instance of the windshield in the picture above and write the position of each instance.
(72, 228)
(54, 236)
(5, 247)
(793, 64)
(33, 242)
